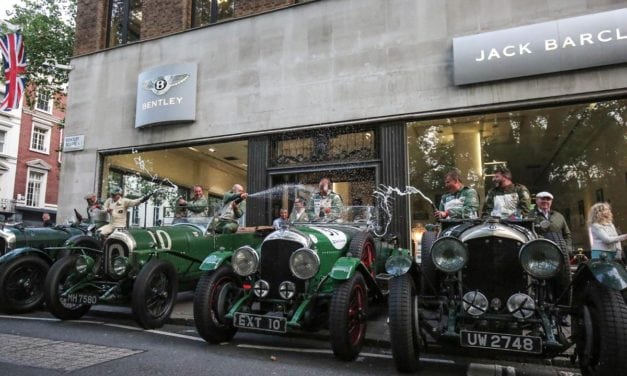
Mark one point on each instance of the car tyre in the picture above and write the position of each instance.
(215, 293)
(348, 318)
(154, 294)
(60, 277)
(601, 332)
(22, 284)
(362, 247)
(404, 323)
(430, 280)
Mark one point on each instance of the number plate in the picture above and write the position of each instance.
(259, 322)
(496, 341)
(78, 298)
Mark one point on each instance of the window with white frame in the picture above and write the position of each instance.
(3, 136)
(35, 188)
(40, 138)
(44, 102)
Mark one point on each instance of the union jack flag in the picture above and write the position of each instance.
(12, 46)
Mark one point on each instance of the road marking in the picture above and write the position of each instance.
(324, 351)
(28, 318)
(184, 336)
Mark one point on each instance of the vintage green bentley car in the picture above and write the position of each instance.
(493, 285)
(145, 267)
(304, 276)
(26, 256)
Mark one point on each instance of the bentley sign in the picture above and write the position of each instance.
(166, 94)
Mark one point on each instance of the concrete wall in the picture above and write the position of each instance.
(323, 62)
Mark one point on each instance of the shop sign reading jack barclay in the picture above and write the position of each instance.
(166, 94)
(555, 46)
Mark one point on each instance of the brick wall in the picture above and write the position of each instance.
(164, 17)
(91, 26)
(248, 7)
(159, 17)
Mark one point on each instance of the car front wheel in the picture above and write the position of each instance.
(404, 329)
(601, 332)
(154, 294)
(22, 284)
(61, 277)
(347, 321)
(215, 294)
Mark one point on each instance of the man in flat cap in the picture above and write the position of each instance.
(549, 221)
(507, 198)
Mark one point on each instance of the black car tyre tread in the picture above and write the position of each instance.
(211, 327)
(57, 276)
(22, 283)
(345, 320)
(608, 314)
(362, 247)
(402, 311)
(155, 288)
(429, 271)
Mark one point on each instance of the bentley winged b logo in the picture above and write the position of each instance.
(163, 84)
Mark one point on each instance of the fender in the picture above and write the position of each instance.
(610, 274)
(215, 260)
(346, 267)
(24, 251)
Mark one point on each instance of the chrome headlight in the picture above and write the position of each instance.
(287, 290)
(261, 288)
(398, 265)
(304, 263)
(245, 261)
(120, 265)
(521, 306)
(83, 264)
(449, 254)
(475, 303)
(541, 258)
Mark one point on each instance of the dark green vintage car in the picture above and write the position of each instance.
(494, 285)
(301, 277)
(26, 256)
(143, 267)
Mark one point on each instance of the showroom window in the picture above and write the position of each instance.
(125, 20)
(576, 152)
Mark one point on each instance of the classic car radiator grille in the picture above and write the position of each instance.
(493, 268)
(274, 265)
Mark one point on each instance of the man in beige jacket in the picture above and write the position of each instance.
(116, 206)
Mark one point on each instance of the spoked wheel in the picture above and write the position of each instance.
(22, 284)
(154, 294)
(216, 293)
(404, 327)
(429, 274)
(362, 247)
(61, 277)
(601, 332)
(347, 322)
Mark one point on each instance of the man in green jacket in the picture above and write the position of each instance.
(460, 201)
(233, 207)
(506, 199)
(197, 205)
(325, 204)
